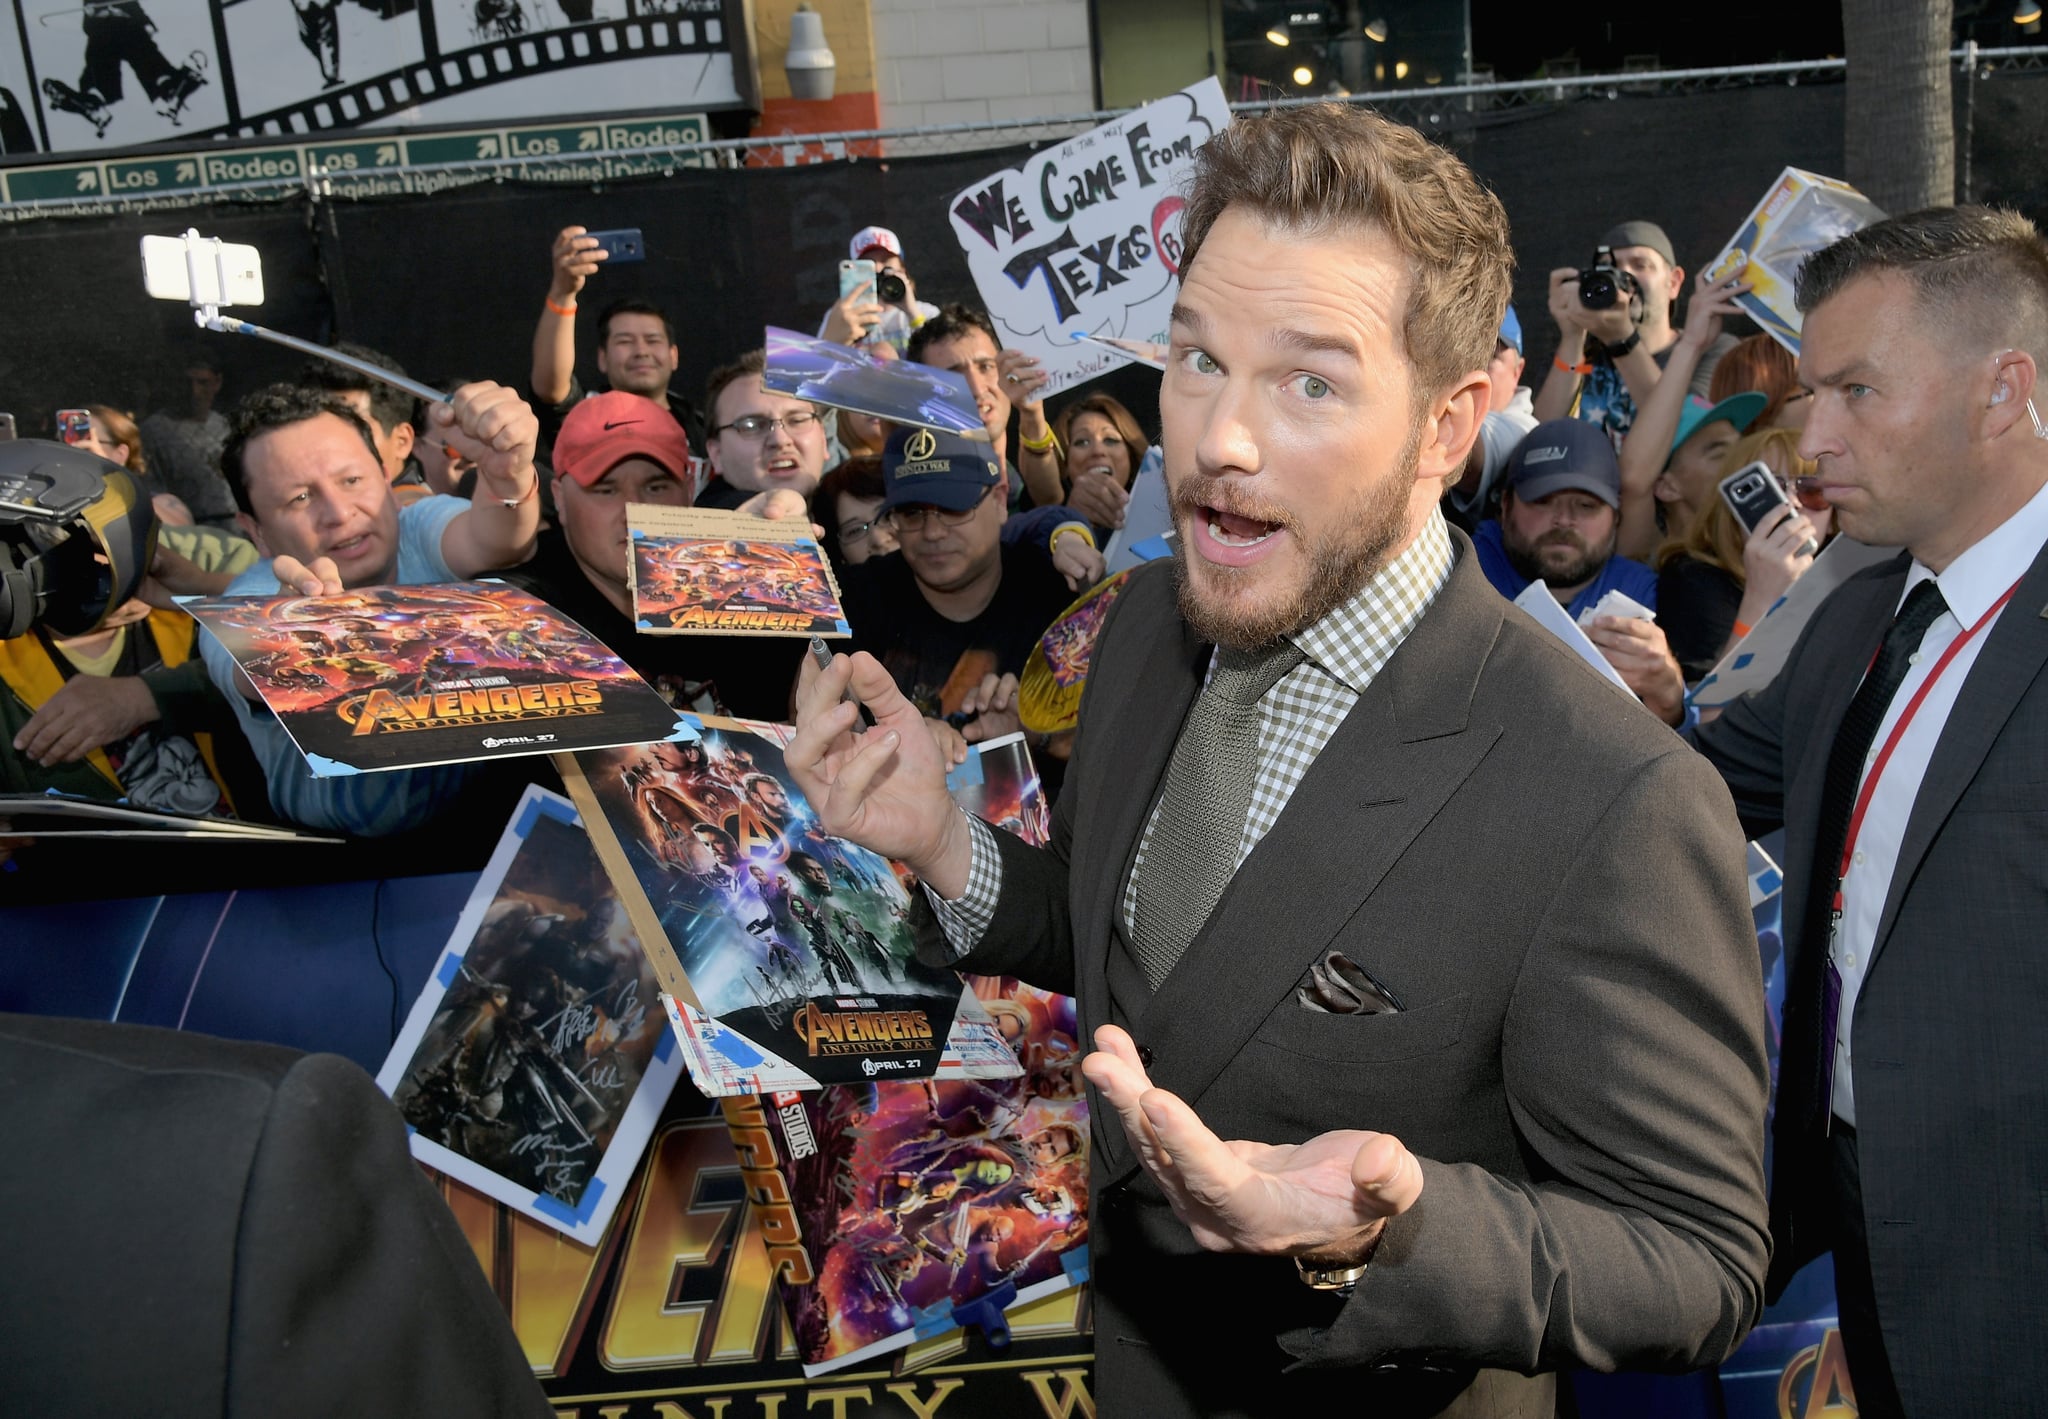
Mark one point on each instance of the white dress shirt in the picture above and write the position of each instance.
(1971, 585)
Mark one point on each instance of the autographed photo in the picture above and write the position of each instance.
(402, 677)
(535, 1063)
(790, 959)
(706, 571)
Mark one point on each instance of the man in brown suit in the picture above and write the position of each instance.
(1449, 926)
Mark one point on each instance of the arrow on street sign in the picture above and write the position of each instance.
(187, 171)
(386, 153)
(586, 140)
(88, 180)
(487, 147)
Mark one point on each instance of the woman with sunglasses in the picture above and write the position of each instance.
(1715, 582)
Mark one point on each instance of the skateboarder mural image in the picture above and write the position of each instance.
(121, 34)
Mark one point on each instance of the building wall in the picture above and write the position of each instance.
(967, 61)
(1149, 48)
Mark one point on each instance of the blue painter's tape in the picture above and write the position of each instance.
(324, 767)
(665, 1046)
(1742, 660)
(1769, 882)
(642, 624)
(968, 775)
(1075, 1264)
(1152, 549)
(935, 1319)
(735, 1048)
(450, 968)
(527, 817)
(583, 1211)
(560, 812)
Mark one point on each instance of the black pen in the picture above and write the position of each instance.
(823, 659)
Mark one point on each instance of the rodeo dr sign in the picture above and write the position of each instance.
(1083, 242)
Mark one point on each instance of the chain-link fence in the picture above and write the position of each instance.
(1436, 109)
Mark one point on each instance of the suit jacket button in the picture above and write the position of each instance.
(1145, 1055)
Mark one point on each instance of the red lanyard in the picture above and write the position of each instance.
(1891, 742)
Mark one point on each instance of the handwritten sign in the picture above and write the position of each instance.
(1084, 240)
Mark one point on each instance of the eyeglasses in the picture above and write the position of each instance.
(858, 531)
(911, 517)
(754, 426)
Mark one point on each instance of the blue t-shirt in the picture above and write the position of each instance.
(1631, 579)
(366, 805)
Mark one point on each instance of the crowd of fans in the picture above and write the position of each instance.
(1602, 478)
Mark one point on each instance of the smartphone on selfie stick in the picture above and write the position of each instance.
(207, 273)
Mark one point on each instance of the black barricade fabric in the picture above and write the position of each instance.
(450, 283)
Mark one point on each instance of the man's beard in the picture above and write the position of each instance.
(1346, 555)
(1523, 557)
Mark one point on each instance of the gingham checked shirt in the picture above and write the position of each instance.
(1341, 654)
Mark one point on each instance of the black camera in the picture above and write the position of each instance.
(1603, 285)
(77, 536)
(889, 288)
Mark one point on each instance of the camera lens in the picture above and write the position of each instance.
(1597, 290)
(889, 287)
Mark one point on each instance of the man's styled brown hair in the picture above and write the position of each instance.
(1323, 167)
(1977, 269)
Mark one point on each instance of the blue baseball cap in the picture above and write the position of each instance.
(1511, 329)
(1565, 454)
(944, 470)
(1738, 409)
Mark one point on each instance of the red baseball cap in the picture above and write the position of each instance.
(606, 429)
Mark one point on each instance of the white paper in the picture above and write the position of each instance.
(1084, 239)
(1616, 603)
(1538, 602)
(1755, 660)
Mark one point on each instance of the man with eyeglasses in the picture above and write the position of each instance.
(954, 612)
(618, 448)
(759, 440)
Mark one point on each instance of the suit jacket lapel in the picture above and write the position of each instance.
(1404, 749)
(2010, 660)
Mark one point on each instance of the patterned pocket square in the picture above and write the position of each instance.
(1337, 985)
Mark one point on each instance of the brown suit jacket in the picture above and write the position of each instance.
(1553, 883)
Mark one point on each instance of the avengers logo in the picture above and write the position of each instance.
(920, 446)
(1816, 1385)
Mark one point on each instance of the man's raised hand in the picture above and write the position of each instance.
(1328, 1197)
(885, 789)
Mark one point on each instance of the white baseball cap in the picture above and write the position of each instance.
(869, 239)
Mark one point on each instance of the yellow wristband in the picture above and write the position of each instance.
(1050, 441)
(1052, 543)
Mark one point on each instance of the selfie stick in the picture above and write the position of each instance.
(206, 314)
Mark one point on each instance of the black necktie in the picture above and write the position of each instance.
(1837, 801)
(1852, 746)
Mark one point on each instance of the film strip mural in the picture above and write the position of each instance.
(107, 76)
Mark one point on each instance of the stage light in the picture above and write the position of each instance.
(1303, 74)
(2027, 15)
(1400, 68)
(1376, 31)
(1278, 36)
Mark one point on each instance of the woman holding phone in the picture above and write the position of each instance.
(1717, 581)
